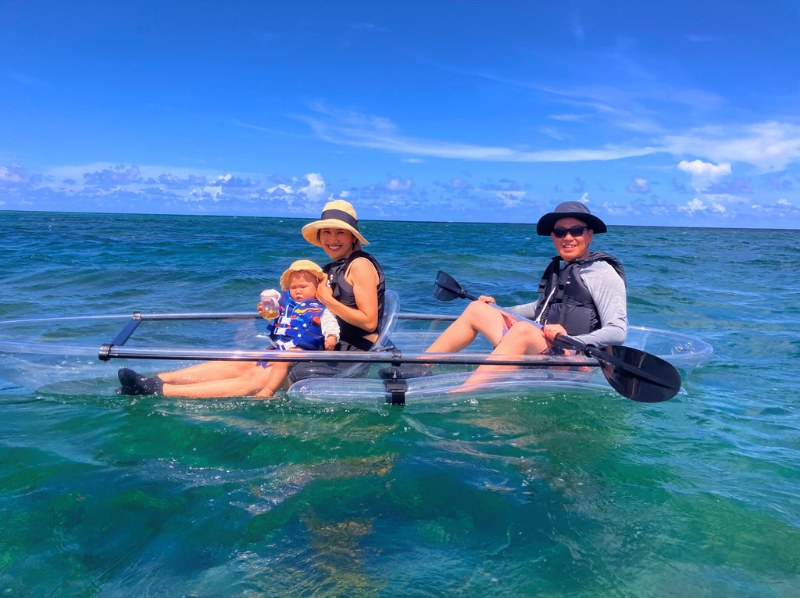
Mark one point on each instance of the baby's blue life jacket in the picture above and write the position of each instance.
(299, 324)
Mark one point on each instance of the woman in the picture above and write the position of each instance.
(353, 292)
(356, 284)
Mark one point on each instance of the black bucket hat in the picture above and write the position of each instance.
(569, 209)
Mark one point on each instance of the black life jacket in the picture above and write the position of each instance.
(571, 305)
(343, 292)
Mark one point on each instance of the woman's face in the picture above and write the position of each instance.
(338, 243)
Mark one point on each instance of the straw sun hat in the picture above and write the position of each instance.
(301, 266)
(336, 214)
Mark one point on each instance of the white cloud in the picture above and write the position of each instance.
(311, 186)
(782, 209)
(553, 133)
(704, 173)
(12, 175)
(315, 189)
(212, 192)
(282, 187)
(360, 130)
(396, 185)
(700, 168)
(510, 199)
(639, 185)
(698, 205)
(769, 146)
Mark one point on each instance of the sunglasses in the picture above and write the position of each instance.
(575, 231)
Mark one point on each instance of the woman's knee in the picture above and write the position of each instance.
(255, 374)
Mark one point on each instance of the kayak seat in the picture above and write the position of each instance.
(333, 369)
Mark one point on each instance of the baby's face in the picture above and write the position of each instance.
(302, 286)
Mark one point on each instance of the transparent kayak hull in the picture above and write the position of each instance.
(63, 353)
(446, 382)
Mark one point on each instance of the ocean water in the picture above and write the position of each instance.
(533, 493)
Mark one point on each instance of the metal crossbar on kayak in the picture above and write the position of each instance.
(108, 351)
(391, 357)
(116, 349)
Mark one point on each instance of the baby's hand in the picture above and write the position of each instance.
(330, 342)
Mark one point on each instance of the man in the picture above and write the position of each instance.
(581, 294)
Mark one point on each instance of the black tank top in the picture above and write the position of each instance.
(353, 337)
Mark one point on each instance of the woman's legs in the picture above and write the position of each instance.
(249, 382)
(279, 370)
(206, 372)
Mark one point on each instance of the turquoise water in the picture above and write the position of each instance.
(537, 493)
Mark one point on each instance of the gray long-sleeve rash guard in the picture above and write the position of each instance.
(608, 292)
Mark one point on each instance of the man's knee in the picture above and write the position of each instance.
(478, 310)
(526, 332)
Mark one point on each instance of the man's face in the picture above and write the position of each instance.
(575, 243)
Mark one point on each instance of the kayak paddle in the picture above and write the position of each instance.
(634, 374)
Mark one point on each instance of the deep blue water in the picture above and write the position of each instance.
(535, 493)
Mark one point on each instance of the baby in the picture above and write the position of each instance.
(301, 321)
(297, 322)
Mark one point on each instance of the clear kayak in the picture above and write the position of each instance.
(446, 380)
(81, 354)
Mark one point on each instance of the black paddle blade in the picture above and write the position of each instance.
(446, 288)
(637, 375)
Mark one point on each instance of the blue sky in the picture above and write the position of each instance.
(654, 113)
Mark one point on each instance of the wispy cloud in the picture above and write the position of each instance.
(380, 133)
(15, 174)
(369, 27)
(638, 185)
(769, 146)
(699, 38)
(25, 78)
(576, 25)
